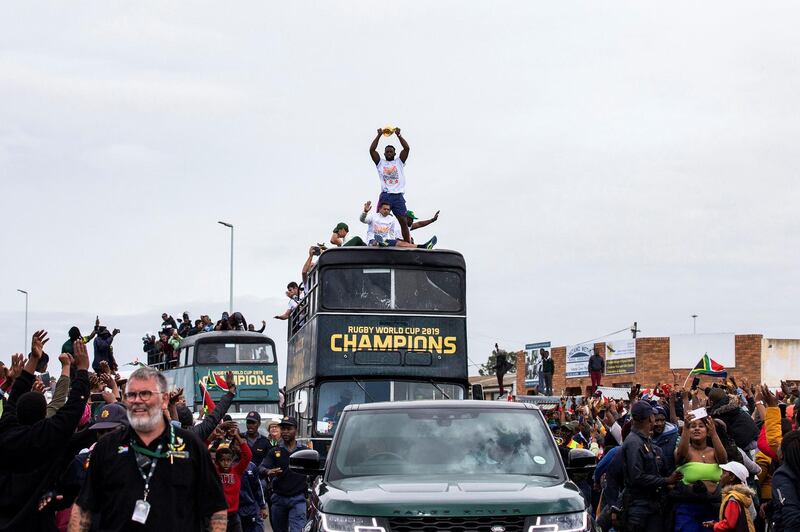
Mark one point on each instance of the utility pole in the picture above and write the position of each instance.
(230, 301)
(694, 323)
(25, 343)
(635, 329)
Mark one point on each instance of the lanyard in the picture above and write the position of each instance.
(149, 475)
(154, 459)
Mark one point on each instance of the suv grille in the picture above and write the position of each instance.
(456, 524)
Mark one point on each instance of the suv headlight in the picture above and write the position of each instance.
(351, 523)
(576, 522)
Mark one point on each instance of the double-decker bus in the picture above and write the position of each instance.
(376, 324)
(206, 357)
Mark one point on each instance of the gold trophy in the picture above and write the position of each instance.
(388, 131)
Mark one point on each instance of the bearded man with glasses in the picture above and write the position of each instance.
(153, 475)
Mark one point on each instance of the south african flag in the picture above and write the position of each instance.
(706, 366)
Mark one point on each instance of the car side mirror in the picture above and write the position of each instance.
(581, 464)
(307, 462)
(477, 391)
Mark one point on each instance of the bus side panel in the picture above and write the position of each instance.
(301, 354)
(255, 383)
(400, 346)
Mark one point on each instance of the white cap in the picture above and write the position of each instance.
(737, 469)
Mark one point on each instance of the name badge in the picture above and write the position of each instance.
(141, 511)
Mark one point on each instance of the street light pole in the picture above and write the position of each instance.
(25, 343)
(694, 323)
(230, 302)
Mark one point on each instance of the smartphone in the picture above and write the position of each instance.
(699, 413)
(97, 397)
(45, 379)
(695, 383)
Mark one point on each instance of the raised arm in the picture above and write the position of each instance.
(423, 223)
(308, 264)
(367, 207)
(404, 144)
(373, 148)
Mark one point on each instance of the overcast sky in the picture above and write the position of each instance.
(596, 163)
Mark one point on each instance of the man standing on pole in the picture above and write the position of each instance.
(391, 173)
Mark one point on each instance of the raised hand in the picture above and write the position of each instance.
(174, 396)
(38, 385)
(81, 355)
(436, 216)
(17, 363)
(380, 131)
(769, 397)
(367, 206)
(37, 344)
(104, 369)
(230, 382)
(397, 131)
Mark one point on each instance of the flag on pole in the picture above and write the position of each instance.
(706, 366)
(208, 403)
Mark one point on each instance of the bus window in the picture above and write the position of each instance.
(233, 353)
(392, 289)
(334, 396)
(189, 355)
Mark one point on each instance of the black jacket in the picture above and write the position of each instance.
(785, 501)
(34, 456)
(643, 467)
(596, 363)
(210, 421)
(740, 426)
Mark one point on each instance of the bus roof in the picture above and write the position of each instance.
(362, 255)
(218, 336)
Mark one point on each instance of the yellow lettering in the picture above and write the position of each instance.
(334, 347)
(435, 344)
(349, 342)
(449, 345)
(364, 343)
(381, 343)
(420, 343)
(399, 341)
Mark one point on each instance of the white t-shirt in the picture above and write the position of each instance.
(387, 227)
(391, 176)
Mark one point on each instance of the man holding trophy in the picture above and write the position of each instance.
(392, 177)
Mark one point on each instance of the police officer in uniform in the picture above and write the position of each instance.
(288, 509)
(645, 484)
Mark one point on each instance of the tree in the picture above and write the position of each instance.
(488, 367)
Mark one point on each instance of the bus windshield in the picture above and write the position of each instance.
(232, 353)
(392, 289)
(334, 396)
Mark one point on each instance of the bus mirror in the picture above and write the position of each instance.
(477, 391)
(306, 462)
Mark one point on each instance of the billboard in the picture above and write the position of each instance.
(686, 350)
(621, 357)
(533, 362)
(578, 360)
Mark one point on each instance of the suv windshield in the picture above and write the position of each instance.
(392, 289)
(461, 441)
(231, 353)
(334, 396)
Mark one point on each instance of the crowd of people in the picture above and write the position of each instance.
(93, 451)
(163, 350)
(99, 452)
(724, 457)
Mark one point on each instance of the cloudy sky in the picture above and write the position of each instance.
(596, 163)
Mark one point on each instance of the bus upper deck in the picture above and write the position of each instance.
(376, 324)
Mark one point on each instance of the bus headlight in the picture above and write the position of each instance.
(575, 522)
(350, 523)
